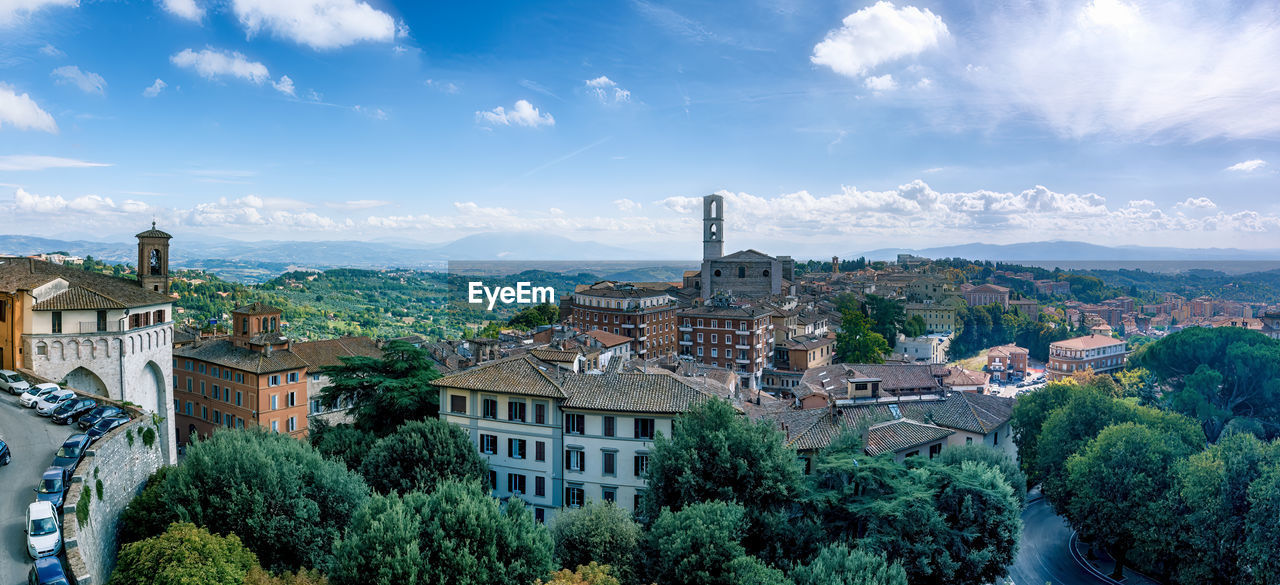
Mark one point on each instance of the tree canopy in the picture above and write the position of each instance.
(420, 454)
(385, 392)
(857, 343)
(597, 532)
(184, 554)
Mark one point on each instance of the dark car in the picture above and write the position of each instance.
(70, 453)
(4, 453)
(52, 487)
(99, 413)
(70, 410)
(47, 571)
(104, 426)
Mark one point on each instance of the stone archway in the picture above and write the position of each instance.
(85, 380)
(149, 390)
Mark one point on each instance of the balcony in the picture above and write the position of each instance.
(686, 329)
(741, 346)
(108, 327)
(742, 361)
(628, 326)
(684, 342)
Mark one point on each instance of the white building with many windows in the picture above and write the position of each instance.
(557, 438)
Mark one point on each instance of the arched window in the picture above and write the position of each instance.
(156, 268)
(713, 231)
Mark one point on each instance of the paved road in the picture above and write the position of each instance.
(33, 441)
(1043, 557)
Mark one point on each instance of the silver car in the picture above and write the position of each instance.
(13, 382)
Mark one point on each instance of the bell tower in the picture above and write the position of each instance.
(712, 227)
(153, 260)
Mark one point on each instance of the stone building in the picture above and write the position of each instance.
(746, 273)
(96, 333)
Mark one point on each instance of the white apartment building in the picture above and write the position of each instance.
(556, 438)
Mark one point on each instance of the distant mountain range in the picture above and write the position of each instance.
(1067, 251)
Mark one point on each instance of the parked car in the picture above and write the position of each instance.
(104, 426)
(12, 382)
(44, 538)
(72, 409)
(52, 487)
(35, 393)
(47, 571)
(99, 413)
(5, 456)
(70, 453)
(45, 405)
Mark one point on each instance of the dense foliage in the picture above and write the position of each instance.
(597, 532)
(387, 391)
(857, 343)
(420, 454)
(455, 535)
(184, 554)
(701, 544)
(837, 564)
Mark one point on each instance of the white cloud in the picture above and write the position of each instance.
(878, 34)
(1248, 166)
(32, 162)
(213, 63)
(319, 24)
(22, 112)
(607, 91)
(881, 83)
(375, 113)
(358, 204)
(187, 9)
(51, 51)
(522, 114)
(924, 83)
(87, 81)
(445, 86)
(155, 88)
(1137, 69)
(626, 205)
(87, 204)
(13, 10)
(285, 85)
(1197, 203)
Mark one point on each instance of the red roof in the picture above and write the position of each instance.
(608, 339)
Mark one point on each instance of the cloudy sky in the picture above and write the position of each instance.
(834, 126)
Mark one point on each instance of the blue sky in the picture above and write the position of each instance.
(837, 126)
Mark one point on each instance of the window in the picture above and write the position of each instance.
(610, 463)
(539, 486)
(609, 426)
(575, 460)
(516, 483)
(996, 439)
(609, 494)
(315, 406)
(539, 514)
(515, 410)
(202, 370)
(515, 448)
(293, 376)
(217, 392)
(490, 408)
(540, 451)
(239, 378)
(274, 380)
(645, 428)
(575, 424)
(458, 404)
(935, 450)
(574, 496)
(715, 338)
(189, 381)
(642, 465)
(293, 423)
(699, 338)
(56, 324)
(715, 352)
(275, 426)
(238, 399)
(293, 399)
(274, 403)
(217, 417)
(699, 351)
(214, 372)
(188, 365)
(540, 413)
(102, 318)
(493, 479)
(202, 387)
(489, 444)
(968, 440)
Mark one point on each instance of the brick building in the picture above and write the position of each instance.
(735, 338)
(251, 378)
(1096, 352)
(1006, 362)
(645, 315)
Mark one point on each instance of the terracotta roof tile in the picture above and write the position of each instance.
(225, 353)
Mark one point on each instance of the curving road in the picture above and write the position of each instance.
(33, 440)
(1043, 558)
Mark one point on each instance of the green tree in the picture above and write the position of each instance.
(914, 327)
(286, 500)
(147, 514)
(984, 520)
(1066, 431)
(184, 554)
(420, 454)
(342, 442)
(1211, 504)
(456, 535)
(1029, 415)
(857, 343)
(838, 564)
(717, 454)
(589, 574)
(701, 545)
(1118, 481)
(1262, 532)
(535, 316)
(994, 458)
(598, 532)
(887, 317)
(385, 392)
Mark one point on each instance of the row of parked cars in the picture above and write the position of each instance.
(44, 534)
